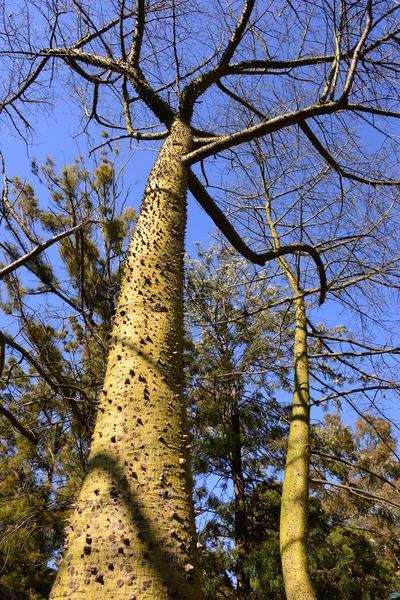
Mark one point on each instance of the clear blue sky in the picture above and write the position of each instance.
(57, 137)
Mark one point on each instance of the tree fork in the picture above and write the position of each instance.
(132, 534)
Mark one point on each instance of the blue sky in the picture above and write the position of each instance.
(58, 136)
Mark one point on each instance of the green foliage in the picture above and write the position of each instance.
(359, 553)
(238, 356)
(31, 520)
(60, 307)
(231, 347)
(234, 371)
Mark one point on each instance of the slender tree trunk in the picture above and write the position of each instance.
(241, 534)
(132, 535)
(295, 492)
(295, 505)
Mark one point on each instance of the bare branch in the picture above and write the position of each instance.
(38, 250)
(18, 426)
(199, 85)
(359, 468)
(365, 495)
(32, 361)
(335, 165)
(134, 56)
(28, 82)
(208, 204)
(357, 52)
(267, 127)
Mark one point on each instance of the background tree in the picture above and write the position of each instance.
(235, 365)
(227, 308)
(292, 205)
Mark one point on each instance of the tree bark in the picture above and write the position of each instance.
(241, 534)
(295, 504)
(132, 535)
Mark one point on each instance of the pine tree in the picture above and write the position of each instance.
(59, 311)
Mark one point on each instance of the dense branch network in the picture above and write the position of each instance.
(95, 59)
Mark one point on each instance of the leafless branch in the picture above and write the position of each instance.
(38, 250)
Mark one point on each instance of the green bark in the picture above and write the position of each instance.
(132, 535)
(293, 534)
(295, 504)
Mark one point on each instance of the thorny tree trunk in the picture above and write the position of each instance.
(241, 535)
(295, 505)
(132, 535)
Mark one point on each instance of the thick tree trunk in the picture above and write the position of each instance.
(294, 510)
(132, 535)
(241, 534)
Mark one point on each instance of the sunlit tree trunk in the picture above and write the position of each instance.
(132, 534)
(295, 506)
(294, 503)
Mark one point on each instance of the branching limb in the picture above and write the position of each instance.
(365, 495)
(240, 100)
(359, 390)
(18, 426)
(148, 95)
(90, 24)
(199, 85)
(261, 129)
(357, 52)
(28, 82)
(36, 268)
(374, 110)
(9, 208)
(335, 165)
(99, 32)
(134, 55)
(36, 365)
(71, 62)
(136, 135)
(253, 67)
(220, 220)
(353, 466)
(331, 81)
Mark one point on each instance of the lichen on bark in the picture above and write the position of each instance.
(132, 535)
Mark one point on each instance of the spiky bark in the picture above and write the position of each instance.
(294, 508)
(132, 534)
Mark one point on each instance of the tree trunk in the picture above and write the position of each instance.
(132, 535)
(294, 510)
(241, 534)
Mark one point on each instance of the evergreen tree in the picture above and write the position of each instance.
(237, 360)
(59, 311)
